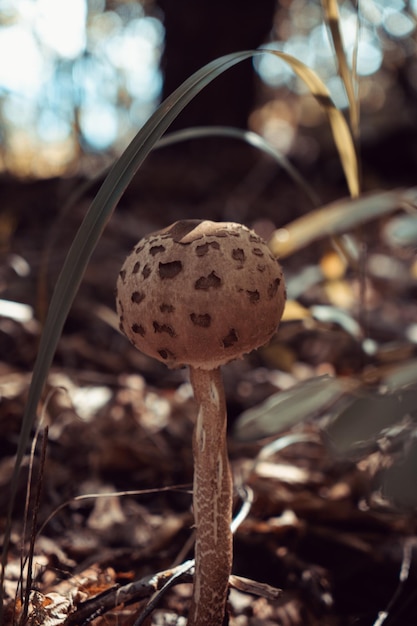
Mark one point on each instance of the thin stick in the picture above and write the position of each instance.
(212, 501)
(138, 590)
(35, 512)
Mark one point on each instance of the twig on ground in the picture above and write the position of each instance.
(156, 585)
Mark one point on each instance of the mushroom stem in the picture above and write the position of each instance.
(212, 501)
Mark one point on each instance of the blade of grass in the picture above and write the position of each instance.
(338, 217)
(251, 138)
(340, 129)
(104, 203)
(331, 11)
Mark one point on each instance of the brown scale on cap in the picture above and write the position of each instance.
(203, 283)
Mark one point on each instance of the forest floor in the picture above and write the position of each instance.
(319, 544)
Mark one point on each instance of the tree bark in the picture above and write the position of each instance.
(198, 32)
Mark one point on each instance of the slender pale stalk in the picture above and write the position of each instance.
(212, 501)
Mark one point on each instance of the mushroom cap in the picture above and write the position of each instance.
(200, 293)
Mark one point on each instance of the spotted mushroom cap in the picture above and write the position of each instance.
(200, 293)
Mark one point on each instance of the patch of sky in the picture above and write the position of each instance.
(369, 57)
(395, 5)
(139, 112)
(96, 6)
(143, 78)
(101, 28)
(315, 48)
(8, 10)
(26, 71)
(130, 11)
(338, 92)
(99, 124)
(398, 25)
(371, 12)
(394, 16)
(18, 111)
(52, 127)
(60, 26)
(272, 69)
(94, 78)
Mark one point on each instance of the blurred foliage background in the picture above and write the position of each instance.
(79, 77)
(82, 77)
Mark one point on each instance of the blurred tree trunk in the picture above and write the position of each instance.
(198, 32)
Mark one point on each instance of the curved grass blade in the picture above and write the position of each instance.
(338, 217)
(340, 129)
(331, 10)
(253, 139)
(104, 203)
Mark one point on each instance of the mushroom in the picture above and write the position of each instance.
(201, 293)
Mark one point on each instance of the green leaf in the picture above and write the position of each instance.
(287, 408)
(398, 482)
(370, 413)
(401, 376)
